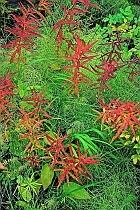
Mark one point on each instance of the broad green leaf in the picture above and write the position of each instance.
(138, 152)
(20, 179)
(69, 131)
(137, 146)
(73, 191)
(121, 10)
(128, 8)
(20, 84)
(21, 93)
(106, 19)
(46, 176)
(22, 204)
(25, 193)
(27, 196)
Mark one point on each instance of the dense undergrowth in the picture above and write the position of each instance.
(69, 106)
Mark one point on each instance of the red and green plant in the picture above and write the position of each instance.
(26, 27)
(63, 155)
(6, 91)
(120, 116)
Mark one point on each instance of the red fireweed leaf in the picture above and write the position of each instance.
(64, 22)
(56, 146)
(45, 4)
(6, 83)
(30, 123)
(120, 116)
(6, 91)
(81, 48)
(26, 27)
(73, 11)
(108, 71)
(32, 127)
(37, 101)
(35, 10)
(67, 20)
(78, 59)
(74, 166)
(33, 161)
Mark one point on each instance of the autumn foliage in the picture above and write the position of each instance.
(58, 149)
(26, 27)
(6, 91)
(64, 160)
(120, 116)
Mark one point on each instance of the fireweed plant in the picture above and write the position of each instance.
(58, 153)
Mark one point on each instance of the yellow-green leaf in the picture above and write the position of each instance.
(127, 143)
(25, 193)
(135, 160)
(75, 191)
(46, 176)
(55, 66)
(38, 185)
(137, 146)
(27, 196)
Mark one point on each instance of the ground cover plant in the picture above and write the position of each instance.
(69, 109)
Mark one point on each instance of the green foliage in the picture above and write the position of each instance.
(133, 143)
(40, 156)
(75, 191)
(27, 186)
(124, 21)
(119, 18)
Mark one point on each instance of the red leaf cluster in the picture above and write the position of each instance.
(72, 166)
(26, 27)
(42, 6)
(32, 129)
(69, 20)
(132, 65)
(79, 58)
(6, 90)
(33, 160)
(108, 72)
(69, 164)
(110, 62)
(32, 122)
(80, 48)
(120, 116)
(36, 101)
